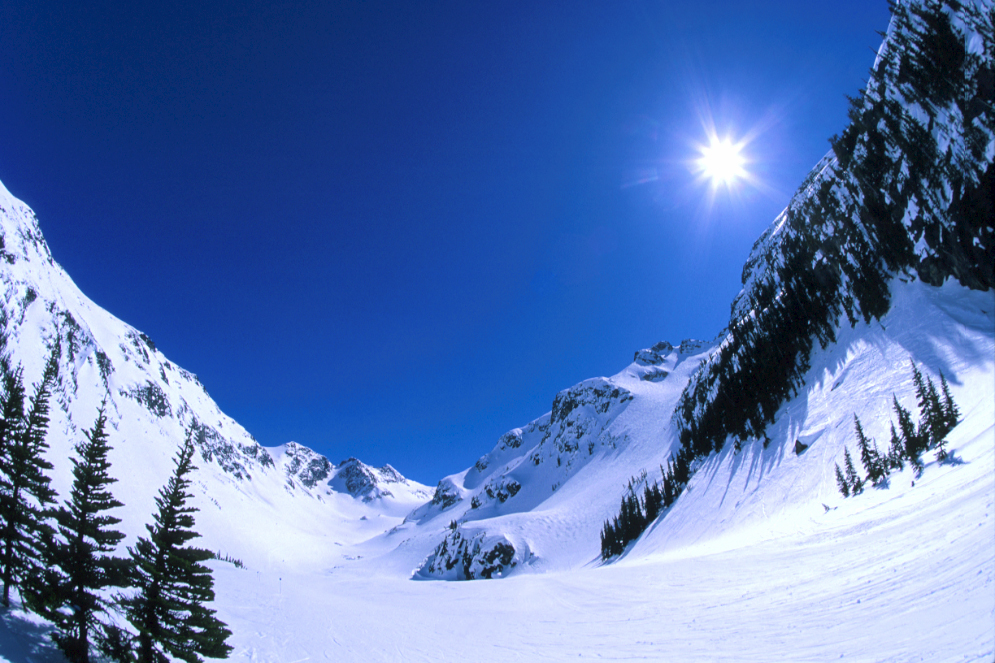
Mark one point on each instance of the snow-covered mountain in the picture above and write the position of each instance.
(540, 495)
(883, 260)
(904, 199)
(153, 404)
(906, 192)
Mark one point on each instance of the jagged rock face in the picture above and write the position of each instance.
(304, 465)
(690, 346)
(98, 355)
(365, 482)
(469, 556)
(446, 494)
(907, 190)
(554, 445)
(581, 414)
(656, 363)
(486, 505)
(653, 356)
(565, 439)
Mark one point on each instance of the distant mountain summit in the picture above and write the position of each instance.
(372, 483)
(497, 513)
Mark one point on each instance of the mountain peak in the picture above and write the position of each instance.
(367, 483)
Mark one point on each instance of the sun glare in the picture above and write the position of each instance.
(722, 161)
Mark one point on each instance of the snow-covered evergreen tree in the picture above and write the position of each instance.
(873, 464)
(80, 557)
(25, 490)
(912, 441)
(841, 482)
(896, 451)
(932, 422)
(852, 479)
(168, 610)
(951, 412)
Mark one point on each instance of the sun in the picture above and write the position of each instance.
(722, 161)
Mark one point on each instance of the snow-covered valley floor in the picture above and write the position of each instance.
(898, 574)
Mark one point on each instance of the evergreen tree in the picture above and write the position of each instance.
(682, 470)
(668, 489)
(5, 369)
(938, 427)
(896, 453)
(852, 480)
(80, 556)
(11, 407)
(25, 492)
(925, 431)
(168, 610)
(920, 385)
(653, 500)
(869, 455)
(951, 413)
(911, 439)
(631, 519)
(841, 482)
(932, 424)
(941, 446)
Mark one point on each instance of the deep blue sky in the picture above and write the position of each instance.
(395, 230)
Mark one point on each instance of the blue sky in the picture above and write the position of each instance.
(395, 230)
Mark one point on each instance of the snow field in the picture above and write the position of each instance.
(761, 560)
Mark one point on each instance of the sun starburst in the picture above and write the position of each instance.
(722, 161)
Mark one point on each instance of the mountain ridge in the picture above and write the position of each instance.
(152, 404)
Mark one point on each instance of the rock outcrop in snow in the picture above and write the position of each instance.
(488, 515)
(471, 555)
(374, 483)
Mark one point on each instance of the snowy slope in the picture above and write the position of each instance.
(749, 565)
(153, 404)
(571, 469)
(545, 489)
(906, 195)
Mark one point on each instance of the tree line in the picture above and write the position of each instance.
(938, 416)
(637, 513)
(61, 558)
(857, 222)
